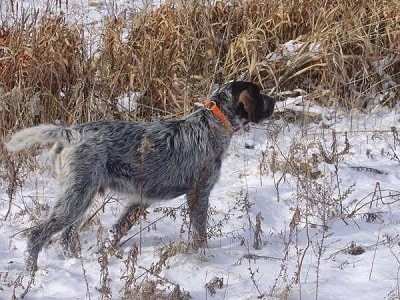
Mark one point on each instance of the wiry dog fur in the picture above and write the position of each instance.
(149, 161)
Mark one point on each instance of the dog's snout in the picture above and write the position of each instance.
(269, 104)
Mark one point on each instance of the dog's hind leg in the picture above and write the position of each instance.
(129, 217)
(70, 240)
(79, 187)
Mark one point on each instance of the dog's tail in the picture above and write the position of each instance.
(41, 135)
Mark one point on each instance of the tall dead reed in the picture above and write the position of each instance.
(342, 53)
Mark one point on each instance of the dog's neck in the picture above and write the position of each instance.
(213, 107)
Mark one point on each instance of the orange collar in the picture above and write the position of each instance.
(211, 105)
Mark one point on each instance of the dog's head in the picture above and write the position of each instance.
(242, 102)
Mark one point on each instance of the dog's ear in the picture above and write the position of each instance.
(245, 93)
(252, 105)
(248, 104)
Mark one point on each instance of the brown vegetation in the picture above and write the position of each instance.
(172, 55)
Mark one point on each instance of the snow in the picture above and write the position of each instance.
(291, 48)
(317, 200)
(247, 187)
(128, 102)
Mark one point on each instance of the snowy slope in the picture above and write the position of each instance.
(326, 251)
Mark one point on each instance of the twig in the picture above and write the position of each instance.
(373, 258)
(84, 276)
(254, 257)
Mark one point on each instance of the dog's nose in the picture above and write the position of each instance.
(269, 104)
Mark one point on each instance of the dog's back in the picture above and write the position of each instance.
(160, 160)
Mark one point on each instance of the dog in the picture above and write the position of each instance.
(147, 161)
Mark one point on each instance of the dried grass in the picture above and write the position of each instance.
(173, 54)
(41, 60)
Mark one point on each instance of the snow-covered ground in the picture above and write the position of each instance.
(329, 222)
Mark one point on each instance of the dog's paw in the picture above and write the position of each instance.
(71, 248)
(110, 246)
(204, 254)
(198, 242)
(112, 236)
(71, 253)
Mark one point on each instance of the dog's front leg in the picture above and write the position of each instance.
(198, 207)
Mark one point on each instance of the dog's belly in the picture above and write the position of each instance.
(166, 193)
(151, 179)
(147, 192)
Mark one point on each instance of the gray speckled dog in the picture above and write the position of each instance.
(149, 161)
